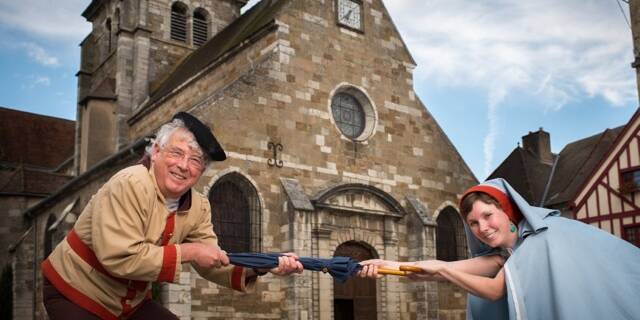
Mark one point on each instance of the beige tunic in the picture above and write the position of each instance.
(125, 239)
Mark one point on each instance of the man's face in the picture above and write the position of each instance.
(177, 166)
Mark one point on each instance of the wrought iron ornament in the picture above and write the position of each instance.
(275, 161)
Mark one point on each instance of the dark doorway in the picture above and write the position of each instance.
(356, 298)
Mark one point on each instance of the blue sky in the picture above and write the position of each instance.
(488, 71)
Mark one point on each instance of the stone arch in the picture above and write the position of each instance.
(236, 212)
(445, 204)
(387, 204)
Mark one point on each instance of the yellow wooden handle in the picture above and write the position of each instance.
(391, 272)
(411, 268)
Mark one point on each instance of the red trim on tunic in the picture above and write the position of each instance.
(90, 258)
(507, 205)
(236, 278)
(73, 294)
(169, 258)
(124, 302)
(167, 233)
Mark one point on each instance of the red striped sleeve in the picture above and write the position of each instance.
(236, 278)
(169, 262)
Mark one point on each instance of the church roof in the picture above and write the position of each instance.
(234, 35)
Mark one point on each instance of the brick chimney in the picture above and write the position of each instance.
(538, 143)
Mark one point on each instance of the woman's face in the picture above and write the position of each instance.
(491, 225)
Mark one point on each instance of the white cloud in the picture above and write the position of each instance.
(40, 55)
(36, 80)
(551, 52)
(52, 19)
(565, 49)
(42, 80)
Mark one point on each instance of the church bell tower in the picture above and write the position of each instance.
(132, 47)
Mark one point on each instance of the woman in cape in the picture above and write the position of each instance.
(530, 263)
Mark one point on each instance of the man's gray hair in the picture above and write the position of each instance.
(165, 132)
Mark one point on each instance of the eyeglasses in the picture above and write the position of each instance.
(195, 162)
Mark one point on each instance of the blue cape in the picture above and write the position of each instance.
(561, 269)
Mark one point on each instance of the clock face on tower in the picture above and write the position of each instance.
(350, 13)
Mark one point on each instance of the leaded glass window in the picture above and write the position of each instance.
(348, 115)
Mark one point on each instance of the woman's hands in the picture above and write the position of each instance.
(430, 268)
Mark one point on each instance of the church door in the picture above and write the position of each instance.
(356, 298)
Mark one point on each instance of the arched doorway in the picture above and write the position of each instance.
(235, 213)
(356, 298)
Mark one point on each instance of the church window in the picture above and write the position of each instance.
(353, 113)
(179, 22)
(200, 27)
(107, 26)
(450, 239)
(235, 213)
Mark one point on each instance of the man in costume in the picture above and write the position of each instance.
(139, 228)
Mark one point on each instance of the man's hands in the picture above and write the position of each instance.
(287, 264)
(206, 256)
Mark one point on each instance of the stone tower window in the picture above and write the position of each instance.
(200, 27)
(353, 113)
(235, 213)
(107, 31)
(179, 22)
(450, 239)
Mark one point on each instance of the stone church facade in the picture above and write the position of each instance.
(330, 151)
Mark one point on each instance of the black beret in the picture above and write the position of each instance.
(204, 136)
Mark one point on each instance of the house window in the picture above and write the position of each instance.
(353, 113)
(200, 27)
(630, 180)
(632, 234)
(235, 214)
(179, 22)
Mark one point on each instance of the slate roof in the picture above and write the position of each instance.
(525, 172)
(259, 17)
(577, 160)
